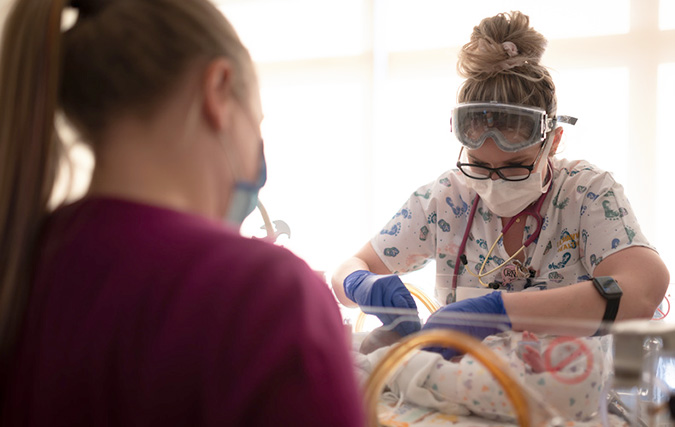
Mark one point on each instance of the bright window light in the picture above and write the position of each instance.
(414, 138)
(430, 24)
(604, 145)
(316, 148)
(664, 162)
(667, 15)
(276, 30)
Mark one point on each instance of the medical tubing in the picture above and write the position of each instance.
(399, 353)
(268, 224)
(431, 304)
(428, 302)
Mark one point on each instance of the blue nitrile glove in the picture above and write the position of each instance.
(371, 290)
(491, 303)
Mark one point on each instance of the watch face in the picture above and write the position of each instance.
(608, 287)
(613, 289)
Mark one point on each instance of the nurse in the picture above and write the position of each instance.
(558, 235)
(140, 303)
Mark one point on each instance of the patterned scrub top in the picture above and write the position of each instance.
(586, 217)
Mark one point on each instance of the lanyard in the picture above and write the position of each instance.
(534, 211)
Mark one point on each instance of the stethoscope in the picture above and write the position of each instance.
(533, 210)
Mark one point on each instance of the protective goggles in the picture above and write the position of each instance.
(513, 127)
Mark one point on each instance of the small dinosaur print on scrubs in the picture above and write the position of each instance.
(630, 233)
(592, 196)
(573, 241)
(595, 260)
(425, 195)
(391, 252)
(485, 214)
(443, 225)
(562, 204)
(424, 232)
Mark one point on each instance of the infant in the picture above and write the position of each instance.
(563, 374)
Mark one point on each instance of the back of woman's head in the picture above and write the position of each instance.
(121, 57)
(502, 63)
(124, 56)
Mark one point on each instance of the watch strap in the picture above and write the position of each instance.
(613, 299)
(611, 310)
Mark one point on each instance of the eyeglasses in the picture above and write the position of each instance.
(513, 127)
(507, 173)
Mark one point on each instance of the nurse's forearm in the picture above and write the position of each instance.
(365, 259)
(639, 272)
(337, 281)
(572, 310)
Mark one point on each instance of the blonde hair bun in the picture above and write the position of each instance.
(502, 63)
(501, 44)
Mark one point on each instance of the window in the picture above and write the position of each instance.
(357, 96)
(667, 15)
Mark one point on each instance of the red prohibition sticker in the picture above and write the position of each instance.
(581, 350)
(663, 309)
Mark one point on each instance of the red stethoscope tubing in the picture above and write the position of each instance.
(534, 211)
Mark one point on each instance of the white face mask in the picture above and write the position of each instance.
(508, 198)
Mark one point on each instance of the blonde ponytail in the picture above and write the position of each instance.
(29, 150)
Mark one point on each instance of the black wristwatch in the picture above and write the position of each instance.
(610, 291)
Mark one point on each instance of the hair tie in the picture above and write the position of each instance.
(510, 48)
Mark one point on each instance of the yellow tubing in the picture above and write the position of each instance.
(428, 302)
(443, 337)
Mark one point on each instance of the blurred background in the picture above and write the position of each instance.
(357, 97)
